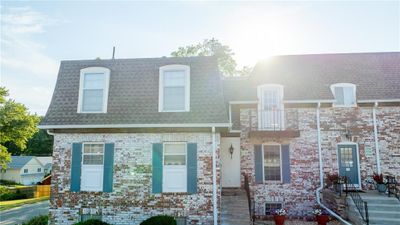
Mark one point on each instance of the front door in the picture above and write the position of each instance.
(230, 167)
(348, 162)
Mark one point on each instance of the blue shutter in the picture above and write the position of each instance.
(76, 167)
(258, 164)
(285, 164)
(192, 168)
(108, 167)
(157, 167)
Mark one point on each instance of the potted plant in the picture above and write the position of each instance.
(379, 182)
(280, 216)
(321, 216)
(334, 180)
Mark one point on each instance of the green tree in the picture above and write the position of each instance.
(17, 125)
(210, 47)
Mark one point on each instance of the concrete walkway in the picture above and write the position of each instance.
(234, 206)
(24, 213)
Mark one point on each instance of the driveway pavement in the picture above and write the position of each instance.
(23, 213)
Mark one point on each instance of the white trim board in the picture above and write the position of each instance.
(160, 125)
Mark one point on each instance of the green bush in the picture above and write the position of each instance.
(92, 222)
(38, 220)
(4, 190)
(8, 182)
(13, 196)
(159, 220)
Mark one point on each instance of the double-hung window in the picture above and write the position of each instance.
(345, 94)
(93, 90)
(272, 162)
(174, 167)
(92, 167)
(271, 108)
(174, 90)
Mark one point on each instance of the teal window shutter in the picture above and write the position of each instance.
(285, 164)
(76, 167)
(108, 167)
(258, 164)
(192, 168)
(157, 167)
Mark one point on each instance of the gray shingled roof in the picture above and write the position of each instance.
(17, 162)
(308, 77)
(133, 93)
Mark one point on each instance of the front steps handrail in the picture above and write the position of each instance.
(360, 204)
(247, 189)
(393, 186)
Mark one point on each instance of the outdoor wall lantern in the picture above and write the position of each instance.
(231, 150)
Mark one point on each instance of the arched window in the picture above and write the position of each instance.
(174, 88)
(93, 90)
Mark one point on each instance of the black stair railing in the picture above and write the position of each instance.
(362, 206)
(393, 187)
(249, 201)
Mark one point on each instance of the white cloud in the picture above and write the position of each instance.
(26, 70)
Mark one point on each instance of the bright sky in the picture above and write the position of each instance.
(35, 36)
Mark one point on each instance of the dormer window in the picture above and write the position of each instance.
(271, 108)
(93, 90)
(174, 89)
(345, 94)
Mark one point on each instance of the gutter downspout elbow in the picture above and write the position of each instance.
(214, 176)
(321, 173)
(50, 133)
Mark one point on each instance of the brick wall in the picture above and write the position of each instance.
(131, 200)
(299, 195)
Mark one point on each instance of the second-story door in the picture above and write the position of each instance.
(272, 108)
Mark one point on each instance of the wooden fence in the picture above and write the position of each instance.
(42, 190)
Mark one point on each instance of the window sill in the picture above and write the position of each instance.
(175, 193)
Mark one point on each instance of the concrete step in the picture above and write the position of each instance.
(386, 214)
(234, 207)
(389, 207)
(384, 221)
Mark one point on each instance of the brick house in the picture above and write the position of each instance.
(135, 138)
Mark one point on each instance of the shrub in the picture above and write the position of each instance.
(38, 220)
(13, 196)
(159, 220)
(4, 190)
(92, 222)
(8, 182)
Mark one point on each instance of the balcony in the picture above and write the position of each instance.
(276, 123)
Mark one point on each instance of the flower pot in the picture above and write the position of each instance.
(279, 220)
(381, 188)
(322, 219)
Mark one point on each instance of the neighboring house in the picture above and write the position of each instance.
(134, 138)
(26, 170)
(46, 162)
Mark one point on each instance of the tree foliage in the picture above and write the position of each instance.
(212, 47)
(17, 125)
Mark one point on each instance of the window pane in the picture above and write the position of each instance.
(349, 98)
(174, 78)
(94, 81)
(272, 162)
(93, 159)
(339, 95)
(175, 149)
(93, 148)
(92, 100)
(271, 207)
(174, 98)
(176, 160)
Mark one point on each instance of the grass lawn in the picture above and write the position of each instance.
(4, 205)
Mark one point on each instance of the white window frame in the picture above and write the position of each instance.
(164, 190)
(163, 69)
(83, 188)
(27, 170)
(280, 158)
(260, 94)
(344, 85)
(39, 170)
(265, 206)
(106, 73)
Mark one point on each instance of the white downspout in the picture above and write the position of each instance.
(378, 159)
(50, 133)
(321, 173)
(214, 177)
